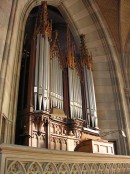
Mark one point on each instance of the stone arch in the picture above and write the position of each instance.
(126, 66)
(50, 168)
(15, 167)
(34, 167)
(75, 169)
(94, 168)
(102, 167)
(22, 11)
(64, 169)
(85, 168)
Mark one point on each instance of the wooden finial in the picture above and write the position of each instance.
(68, 48)
(43, 25)
(90, 62)
(85, 56)
(83, 51)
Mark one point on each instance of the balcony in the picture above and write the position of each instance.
(27, 160)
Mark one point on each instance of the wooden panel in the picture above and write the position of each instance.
(95, 147)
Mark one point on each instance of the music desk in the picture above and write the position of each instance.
(95, 146)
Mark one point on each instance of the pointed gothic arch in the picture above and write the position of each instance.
(11, 102)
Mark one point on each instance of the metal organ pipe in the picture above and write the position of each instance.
(80, 99)
(58, 88)
(48, 73)
(41, 42)
(36, 74)
(56, 83)
(94, 102)
(53, 82)
(61, 89)
(45, 65)
(51, 78)
(87, 95)
(75, 94)
(70, 91)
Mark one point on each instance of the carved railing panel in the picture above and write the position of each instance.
(15, 167)
(34, 168)
(66, 168)
(50, 169)
(25, 160)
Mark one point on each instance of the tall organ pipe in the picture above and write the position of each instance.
(94, 102)
(71, 90)
(87, 96)
(36, 74)
(40, 75)
(46, 75)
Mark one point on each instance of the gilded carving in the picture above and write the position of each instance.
(86, 57)
(56, 52)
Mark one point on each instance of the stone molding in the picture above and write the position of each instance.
(24, 160)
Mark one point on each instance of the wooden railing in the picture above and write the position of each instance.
(27, 160)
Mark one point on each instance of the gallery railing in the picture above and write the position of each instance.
(27, 160)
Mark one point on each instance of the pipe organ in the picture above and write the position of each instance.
(57, 108)
(42, 61)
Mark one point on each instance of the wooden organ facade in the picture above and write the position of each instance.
(56, 91)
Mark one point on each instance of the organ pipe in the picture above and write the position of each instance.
(56, 72)
(36, 74)
(74, 82)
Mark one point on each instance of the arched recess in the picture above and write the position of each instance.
(81, 21)
(126, 68)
